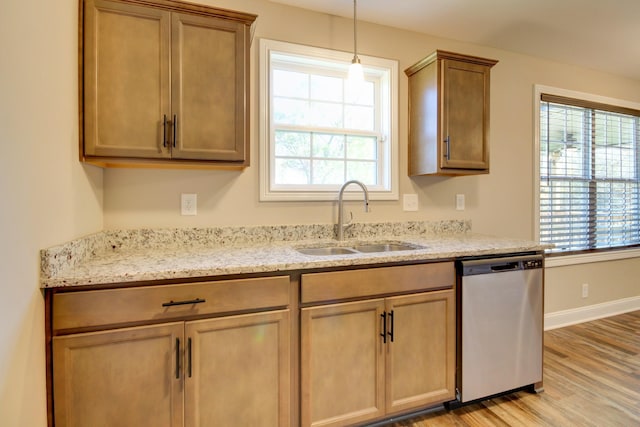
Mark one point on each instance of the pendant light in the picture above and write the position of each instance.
(355, 69)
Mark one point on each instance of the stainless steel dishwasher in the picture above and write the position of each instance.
(500, 342)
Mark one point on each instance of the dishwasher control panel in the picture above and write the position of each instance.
(531, 263)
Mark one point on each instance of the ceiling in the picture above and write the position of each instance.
(599, 34)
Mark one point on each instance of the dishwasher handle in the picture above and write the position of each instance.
(509, 266)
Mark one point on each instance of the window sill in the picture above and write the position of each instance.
(614, 255)
(325, 196)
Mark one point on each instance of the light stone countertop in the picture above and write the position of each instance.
(125, 256)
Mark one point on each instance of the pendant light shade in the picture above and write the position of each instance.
(355, 69)
(356, 72)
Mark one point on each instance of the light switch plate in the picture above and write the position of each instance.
(460, 202)
(410, 202)
(189, 204)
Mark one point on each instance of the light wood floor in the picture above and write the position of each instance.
(591, 378)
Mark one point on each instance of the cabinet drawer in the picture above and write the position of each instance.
(86, 309)
(335, 285)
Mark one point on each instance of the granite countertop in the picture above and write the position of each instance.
(122, 256)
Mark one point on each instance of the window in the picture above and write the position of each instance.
(319, 129)
(589, 168)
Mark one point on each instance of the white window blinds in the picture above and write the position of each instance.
(589, 175)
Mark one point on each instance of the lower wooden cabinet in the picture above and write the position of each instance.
(239, 371)
(342, 363)
(202, 354)
(368, 359)
(124, 377)
(421, 354)
(359, 345)
(222, 371)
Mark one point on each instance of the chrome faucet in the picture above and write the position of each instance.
(341, 224)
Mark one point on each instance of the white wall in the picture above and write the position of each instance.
(48, 197)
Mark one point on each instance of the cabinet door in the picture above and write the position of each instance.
(421, 357)
(126, 79)
(237, 371)
(208, 88)
(342, 363)
(127, 377)
(465, 115)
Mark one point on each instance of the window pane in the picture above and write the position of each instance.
(328, 145)
(325, 88)
(614, 156)
(567, 162)
(326, 114)
(360, 118)
(618, 214)
(290, 84)
(292, 171)
(564, 214)
(362, 171)
(544, 138)
(566, 140)
(297, 144)
(362, 147)
(361, 93)
(328, 172)
(290, 111)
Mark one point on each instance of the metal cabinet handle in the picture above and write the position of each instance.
(175, 129)
(391, 329)
(177, 358)
(384, 327)
(164, 131)
(447, 143)
(189, 357)
(187, 302)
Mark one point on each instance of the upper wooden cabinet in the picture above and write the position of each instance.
(164, 83)
(449, 114)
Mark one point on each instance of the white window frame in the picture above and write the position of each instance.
(581, 258)
(385, 69)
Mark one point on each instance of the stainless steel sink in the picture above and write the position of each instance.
(385, 247)
(373, 247)
(330, 250)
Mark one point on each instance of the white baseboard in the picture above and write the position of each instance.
(573, 316)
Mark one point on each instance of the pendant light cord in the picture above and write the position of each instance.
(355, 38)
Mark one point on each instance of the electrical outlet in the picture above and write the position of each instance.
(189, 204)
(459, 202)
(410, 202)
(585, 290)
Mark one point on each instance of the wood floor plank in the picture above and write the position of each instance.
(591, 379)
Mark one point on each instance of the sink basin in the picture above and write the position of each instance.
(384, 247)
(373, 247)
(330, 250)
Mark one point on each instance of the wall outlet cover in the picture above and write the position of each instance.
(189, 204)
(585, 290)
(410, 202)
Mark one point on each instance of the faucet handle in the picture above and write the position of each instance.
(350, 219)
